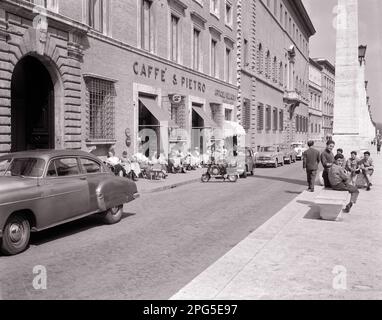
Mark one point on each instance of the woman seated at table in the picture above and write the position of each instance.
(115, 164)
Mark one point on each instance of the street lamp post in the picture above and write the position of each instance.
(361, 54)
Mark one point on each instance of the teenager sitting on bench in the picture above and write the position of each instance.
(341, 181)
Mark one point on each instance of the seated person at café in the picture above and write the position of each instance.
(340, 180)
(367, 168)
(115, 163)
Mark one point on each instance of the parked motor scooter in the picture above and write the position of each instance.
(221, 171)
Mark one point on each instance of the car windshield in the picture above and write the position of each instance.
(25, 167)
(268, 149)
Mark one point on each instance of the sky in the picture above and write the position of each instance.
(323, 43)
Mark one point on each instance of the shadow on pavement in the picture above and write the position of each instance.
(69, 229)
(287, 180)
(293, 192)
(313, 213)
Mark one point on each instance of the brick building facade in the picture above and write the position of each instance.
(316, 131)
(95, 74)
(273, 69)
(328, 88)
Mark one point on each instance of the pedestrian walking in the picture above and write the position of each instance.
(379, 144)
(311, 160)
(352, 167)
(327, 160)
(340, 180)
(367, 168)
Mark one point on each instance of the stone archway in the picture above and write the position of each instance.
(32, 106)
(57, 56)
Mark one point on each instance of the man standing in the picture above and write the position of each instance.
(311, 159)
(327, 160)
(367, 168)
(340, 180)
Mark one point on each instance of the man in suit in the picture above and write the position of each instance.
(311, 160)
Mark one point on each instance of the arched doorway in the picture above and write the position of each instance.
(32, 106)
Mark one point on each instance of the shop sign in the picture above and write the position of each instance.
(161, 74)
(225, 95)
(176, 98)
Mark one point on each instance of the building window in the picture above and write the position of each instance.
(281, 120)
(246, 114)
(227, 68)
(275, 119)
(213, 58)
(196, 49)
(281, 74)
(174, 38)
(215, 7)
(268, 119)
(51, 5)
(297, 123)
(260, 59)
(100, 96)
(228, 14)
(268, 65)
(275, 7)
(260, 117)
(228, 114)
(96, 15)
(274, 70)
(245, 53)
(146, 26)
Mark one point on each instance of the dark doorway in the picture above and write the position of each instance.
(32, 106)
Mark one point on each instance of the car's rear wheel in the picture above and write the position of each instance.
(205, 178)
(16, 235)
(113, 215)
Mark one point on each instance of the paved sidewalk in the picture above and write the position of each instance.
(294, 255)
(172, 181)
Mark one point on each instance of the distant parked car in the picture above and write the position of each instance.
(270, 156)
(299, 147)
(290, 155)
(42, 189)
(246, 164)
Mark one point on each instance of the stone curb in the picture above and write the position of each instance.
(168, 187)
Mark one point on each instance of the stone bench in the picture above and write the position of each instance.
(330, 203)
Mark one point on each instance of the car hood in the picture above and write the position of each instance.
(14, 183)
(266, 154)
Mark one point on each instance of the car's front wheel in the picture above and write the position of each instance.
(16, 235)
(113, 215)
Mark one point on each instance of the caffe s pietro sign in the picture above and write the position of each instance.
(150, 71)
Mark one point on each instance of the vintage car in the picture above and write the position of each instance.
(269, 156)
(299, 147)
(290, 155)
(42, 189)
(245, 162)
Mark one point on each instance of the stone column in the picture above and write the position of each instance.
(5, 87)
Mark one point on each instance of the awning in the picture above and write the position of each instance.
(208, 122)
(232, 128)
(158, 113)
